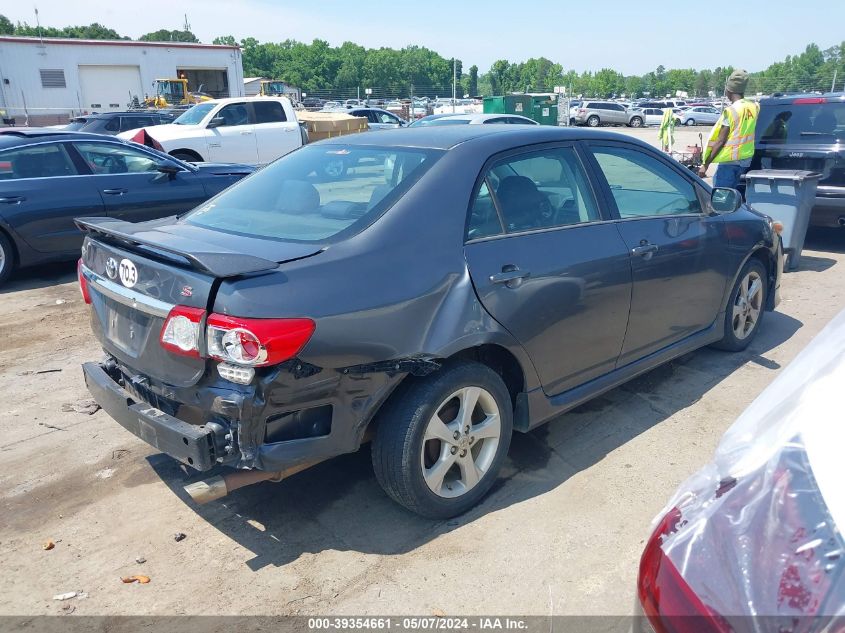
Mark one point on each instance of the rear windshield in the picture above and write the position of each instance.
(448, 122)
(76, 124)
(319, 193)
(822, 123)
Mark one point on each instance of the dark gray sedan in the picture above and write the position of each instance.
(453, 285)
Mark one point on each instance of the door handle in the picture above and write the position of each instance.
(510, 276)
(645, 249)
(245, 133)
(114, 192)
(12, 200)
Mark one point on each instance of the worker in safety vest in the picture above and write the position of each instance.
(731, 144)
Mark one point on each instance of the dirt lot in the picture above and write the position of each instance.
(561, 533)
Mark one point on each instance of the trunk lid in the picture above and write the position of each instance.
(137, 273)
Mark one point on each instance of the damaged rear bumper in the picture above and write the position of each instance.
(190, 444)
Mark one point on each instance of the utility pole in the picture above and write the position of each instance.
(187, 25)
(833, 85)
(38, 23)
(454, 82)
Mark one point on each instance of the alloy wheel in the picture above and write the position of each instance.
(3, 259)
(748, 305)
(460, 442)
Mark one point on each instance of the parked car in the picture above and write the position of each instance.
(112, 123)
(756, 536)
(451, 286)
(651, 116)
(379, 119)
(699, 115)
(249, 130)
(596, 113)
(332, 105)
(312, 103)
(478, 119)
(48, 178)
(428, 120)
(807, 132)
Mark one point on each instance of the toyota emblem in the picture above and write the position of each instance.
(111, 267)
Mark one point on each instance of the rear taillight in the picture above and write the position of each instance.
(809, 101)
(83, 283)
(668, 601)
(181, 331)
(256, 342)
(582, 111)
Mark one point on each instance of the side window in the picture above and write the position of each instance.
(37, 161)
(113, 124)
(644, 186)
(542, 189)
(269, 112)
(111, 158)
(384, 117)
(134, 122)
(483, 219)
(235, 114)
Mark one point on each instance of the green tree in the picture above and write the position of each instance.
(163, 35)
(225, 40)
(472, 85)
(6, 26)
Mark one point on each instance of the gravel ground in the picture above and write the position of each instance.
(561, 533)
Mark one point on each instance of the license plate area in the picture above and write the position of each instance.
(127, 328)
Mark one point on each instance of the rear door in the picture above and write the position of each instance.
(678, 251)
(234, 141)
(548, 266)
(131, 186)
(41, 192)
(274, 133)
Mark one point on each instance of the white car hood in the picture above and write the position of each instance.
(164, 133)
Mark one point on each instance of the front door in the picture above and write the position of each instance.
(131, 186)
(234, 141)
(547, 267)
(274, 134)
(40, 195)
(678, 251)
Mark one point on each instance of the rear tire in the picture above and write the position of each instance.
(187, 157)
(7, 258)
(690, 122)
(746, 307)
(441, 443)
(593, 121)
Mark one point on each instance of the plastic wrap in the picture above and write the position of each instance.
(755, 533)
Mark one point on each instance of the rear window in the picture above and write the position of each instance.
(76, 124)
(319, 193)
(808, 123)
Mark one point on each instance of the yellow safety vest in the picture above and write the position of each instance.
(742, 116)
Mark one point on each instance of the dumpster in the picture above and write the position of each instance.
(509, 104)
(543, 110)
(788, 197)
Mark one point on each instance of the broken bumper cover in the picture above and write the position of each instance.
(190, 444)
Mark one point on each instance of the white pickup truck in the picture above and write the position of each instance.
(250, 130)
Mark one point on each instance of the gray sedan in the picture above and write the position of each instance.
(699, 115)
(451, 286)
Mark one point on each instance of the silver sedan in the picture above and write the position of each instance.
(699, 115)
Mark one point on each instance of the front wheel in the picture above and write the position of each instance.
(441, 443)
(745, 308)
(593, 121)
(636, 122)
(7, 258)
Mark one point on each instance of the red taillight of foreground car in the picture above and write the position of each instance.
(83, 283)
(256, 342)
(668, 601)
(181, 331)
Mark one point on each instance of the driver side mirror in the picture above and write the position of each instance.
(167, 168)
(725, 200)
(217, 121)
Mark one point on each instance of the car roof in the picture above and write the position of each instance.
(448, 136)
(831, 97)
(480, 116)
(29, 136)
(109, 115)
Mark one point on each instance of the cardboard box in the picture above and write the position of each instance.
(323, 125)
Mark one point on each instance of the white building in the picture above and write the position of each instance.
(252, 87)
(48, 80)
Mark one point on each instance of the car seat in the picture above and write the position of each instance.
(521, 202)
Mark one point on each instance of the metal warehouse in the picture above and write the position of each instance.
(44, 81)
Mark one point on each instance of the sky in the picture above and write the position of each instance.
(579, 34)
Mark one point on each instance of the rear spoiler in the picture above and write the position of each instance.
(219, 263)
